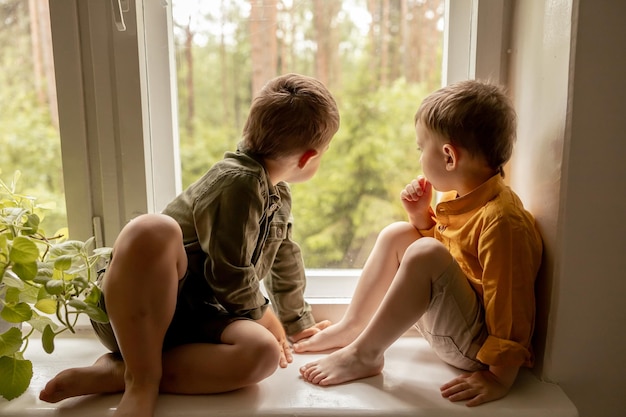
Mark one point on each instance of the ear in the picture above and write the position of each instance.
(451, 155)
(306, 157)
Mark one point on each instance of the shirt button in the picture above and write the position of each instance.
(441, 227)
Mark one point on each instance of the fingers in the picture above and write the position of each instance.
(473, 388)
(286, 357)
(305, 334)
(323, 324)
(414, 190)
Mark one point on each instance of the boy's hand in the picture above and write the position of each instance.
(306, 333)
(480, 387)
(416, 198)
(271, 323)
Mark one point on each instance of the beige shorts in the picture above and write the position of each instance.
(454, 323)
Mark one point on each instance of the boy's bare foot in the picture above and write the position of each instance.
(341, 366)
(106, 375)
(334, 336)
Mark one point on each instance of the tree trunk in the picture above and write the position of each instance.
(189, 80)
(226, 90)
(384, 44)
(43, 62)
(264, 47)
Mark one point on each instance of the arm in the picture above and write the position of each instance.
(509, 255)
(416, 198)
(286, 281)
(226, 220)
(271, 323)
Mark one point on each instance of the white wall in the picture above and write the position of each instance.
(568, 77)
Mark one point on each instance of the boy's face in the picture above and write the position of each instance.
(432, 157)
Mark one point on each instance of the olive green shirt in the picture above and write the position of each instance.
(237, 231)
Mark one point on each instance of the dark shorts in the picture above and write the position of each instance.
(187, 326)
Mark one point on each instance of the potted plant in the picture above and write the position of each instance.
(46, 283)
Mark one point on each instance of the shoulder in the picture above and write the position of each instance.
(506, 214)
(231, 173)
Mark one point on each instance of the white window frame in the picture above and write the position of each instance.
(117, 107)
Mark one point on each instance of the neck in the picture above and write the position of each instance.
(277, 169)
(469, 181)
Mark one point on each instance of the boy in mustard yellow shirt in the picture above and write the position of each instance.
(464, 272)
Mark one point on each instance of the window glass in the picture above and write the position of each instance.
(29, 132)
(378, 57)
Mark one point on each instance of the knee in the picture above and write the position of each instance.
(428, 253)
(149, 234)
(394, 231)
(263, 356)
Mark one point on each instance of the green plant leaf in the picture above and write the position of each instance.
(10, 341)
(63, 262)
(93, 298)
(80, 283)
(15, 376)
(47, 339)
(23, 251)
(29, 294)
(97, 314)
(12, 295)
(46, 305)
(54, 286)
(32, 224)
(67, 248)
(104, 252)
(78, 304)
(16, 313)
(12, 280)
(26, 271)
(39, 323)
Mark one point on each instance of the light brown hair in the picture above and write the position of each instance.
(291, 113)
(474, 115)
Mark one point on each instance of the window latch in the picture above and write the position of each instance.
(119, 7)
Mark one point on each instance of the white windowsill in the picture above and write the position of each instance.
(407, 387)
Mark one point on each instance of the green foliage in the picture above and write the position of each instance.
(356, 192)
(45, 282)
(29, 140)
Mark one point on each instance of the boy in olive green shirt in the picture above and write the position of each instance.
(182, 289)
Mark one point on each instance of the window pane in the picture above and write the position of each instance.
(378, 57)
(29, 132)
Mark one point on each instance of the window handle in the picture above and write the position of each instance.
(119, 7)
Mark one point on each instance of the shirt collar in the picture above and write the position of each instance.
(474, 199)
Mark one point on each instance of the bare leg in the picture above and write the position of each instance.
(405, 302)
(106, 375)
(140, 286)
(377, 275)
(249, 354)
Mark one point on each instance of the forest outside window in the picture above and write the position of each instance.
(178, 82)
(378, 57)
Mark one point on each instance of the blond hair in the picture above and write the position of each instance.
(474, 115)
(291, 113)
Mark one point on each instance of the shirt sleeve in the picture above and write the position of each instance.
(227, 224)
(508, 252)
(285, 286)
(286, 281)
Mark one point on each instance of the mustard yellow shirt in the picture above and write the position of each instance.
(496, 243)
